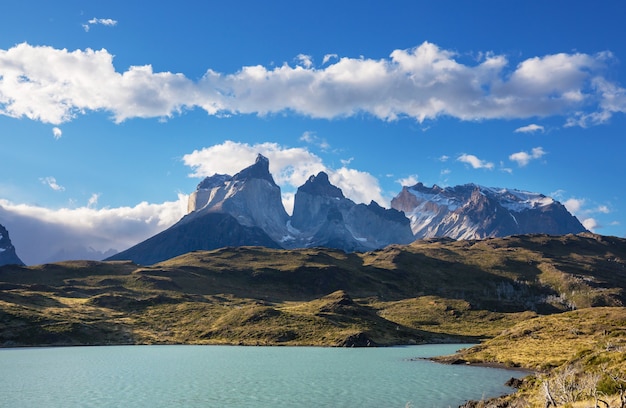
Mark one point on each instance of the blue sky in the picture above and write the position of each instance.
(112, 112)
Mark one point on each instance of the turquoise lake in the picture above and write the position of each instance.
(231, 376)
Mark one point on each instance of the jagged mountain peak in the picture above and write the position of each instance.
(472, 211)
(7, 250)
(320, 185)
(259, 170)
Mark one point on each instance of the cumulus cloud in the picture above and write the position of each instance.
(290, 167)
(102, 21)
(591, 224)
(55, 85)
(57, 133)
(44, 235)
(523, 158)
(532, 128)
(574, 205)
(475, 162)
(52, 183)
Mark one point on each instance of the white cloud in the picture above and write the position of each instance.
(313, 139)
(409, 181)
(523, 158)
(591, 224)
(102, 21)
(328, 57)
(55, 85)
(52, 183)
(345, 162)
(574, 205)
(290, 167)
(57, 133)
(305, 60)
(444, 158)
(359, 186)
(93, 200)
(39, 234)
(532, 128)
(475, 162)
(603, 209)
(581, 209)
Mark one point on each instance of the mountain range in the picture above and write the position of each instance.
(246, 210)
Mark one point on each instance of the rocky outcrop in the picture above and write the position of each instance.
(8, 256)
(476, 212)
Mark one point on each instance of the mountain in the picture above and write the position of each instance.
(250, 196)
(475, 212)
(247, 210)
(209, 231)
(8, 256)
(324, 217)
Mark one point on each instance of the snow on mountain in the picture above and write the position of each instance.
(471, 211)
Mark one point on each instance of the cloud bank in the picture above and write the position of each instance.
(426, 82)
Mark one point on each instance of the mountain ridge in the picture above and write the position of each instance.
(324, 217)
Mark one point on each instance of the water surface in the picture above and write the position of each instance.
(231, 376)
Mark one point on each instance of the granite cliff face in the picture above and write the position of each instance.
(476, 212)
(250, 196)
(8, 256)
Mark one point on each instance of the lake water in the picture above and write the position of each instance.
(230, 376)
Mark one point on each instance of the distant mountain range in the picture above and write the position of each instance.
(7, 250)
(246, 209)
(476, 212)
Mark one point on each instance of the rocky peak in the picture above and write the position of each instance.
(390, 214)
(216, 180)
(7, 250)
(435, 189)
(320, 185)
(259, 170)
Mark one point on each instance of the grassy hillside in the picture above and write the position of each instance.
(536, 301)
(578, 356)
(427, 291)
